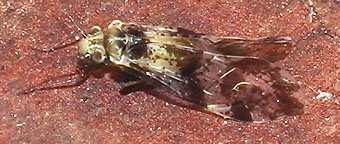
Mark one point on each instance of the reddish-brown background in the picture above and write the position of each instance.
(62, 115)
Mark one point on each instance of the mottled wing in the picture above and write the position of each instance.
(249, 90)
(231, 77)
(249, 86)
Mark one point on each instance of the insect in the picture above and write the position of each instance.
(234, 78)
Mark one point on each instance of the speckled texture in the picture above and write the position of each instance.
(95, 112)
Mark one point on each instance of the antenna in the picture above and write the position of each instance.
(72, 79)
(59, 45)
(79, 29)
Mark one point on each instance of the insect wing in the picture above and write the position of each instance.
(248, 90)
(234, 78)
(247, 85)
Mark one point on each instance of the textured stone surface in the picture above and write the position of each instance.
(95, 112)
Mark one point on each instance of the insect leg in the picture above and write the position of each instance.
(59, 45)
(73, 79)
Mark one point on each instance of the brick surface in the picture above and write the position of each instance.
(95, 112)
